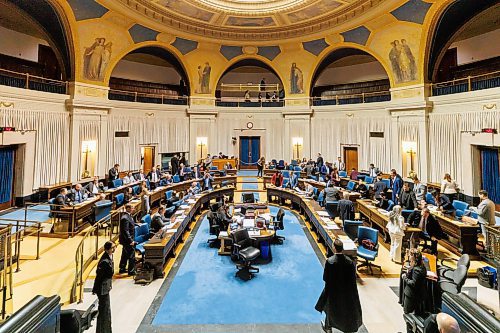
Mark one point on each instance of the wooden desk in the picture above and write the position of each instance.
(74, 217)
(111, 193)
(271, 172)
(51, 191)
(157, 253)
(220, 162)
(310, 209)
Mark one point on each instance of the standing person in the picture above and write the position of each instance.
(396, 227)
(413, 281)
(319, 161)
(396, 185)
(260, 166)
(373, 171)
(153, 178)
(407, 198)
(449, 187)
(379, 187)
(340, 299)
(419, 189)
(339, 164)
(174, 164)
(102, 287)
(126, 239)
(182, 159)
(113, 174)
(263, 84)
(345, 208)
(485, 213)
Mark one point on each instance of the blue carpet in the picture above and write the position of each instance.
(250, 180)
(38, 213)
(247, 173)
(206, 291)
(247, 186)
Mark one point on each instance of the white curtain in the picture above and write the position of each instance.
(52, 142)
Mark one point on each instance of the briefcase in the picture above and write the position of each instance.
(487, 277)
(144, 275)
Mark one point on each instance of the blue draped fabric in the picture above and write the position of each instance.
(491, 174)
(6, 174)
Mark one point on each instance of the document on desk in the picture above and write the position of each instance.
(191, 201)
(349, 245)
(223, 234)
(179, 212)
(171, 231)
(185, 207)
(323, 213)
(248, 223)
(253, 233)
(327, 220)
(266, 216)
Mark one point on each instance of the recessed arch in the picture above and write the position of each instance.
(446, 25)
(154, 49)
(341, 53)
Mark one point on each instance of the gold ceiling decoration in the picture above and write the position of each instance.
(250, 20)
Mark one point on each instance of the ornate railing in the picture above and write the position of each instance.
(470, 83)
(368, 97)
(133, 96)
(32, 82)
(493, 243)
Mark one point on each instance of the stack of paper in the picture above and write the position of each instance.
(185, 207)
(332, 227)
(253, 233)
(171, 231)
(191, 201)
(323, 213)
(179, 212)
(248, 223)
(349, 245)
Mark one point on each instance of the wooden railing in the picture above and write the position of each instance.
(32, 82)
(341, 99)
(134, 96)
(470, 83)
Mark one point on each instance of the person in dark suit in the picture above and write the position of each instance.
(430, 230)
(78, 194)
(339, 298)
(158, 221)
(383, 202)
(207, 181)
(414, 284)
(182, 159)
(102, 287)
(174, 164)
(407, 198)
(113, 174)
(94, 187)
(441, 323)
(319, 161)
(153, 178)
(126, 239)
(378, 187)
(396, 185)
(443, 203)
(183, 172)
(62, 198)
(345, 209)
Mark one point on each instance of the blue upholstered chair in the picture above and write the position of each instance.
(343, 174)
(368, 180)
(163, 182)
(297, 168)
(387, 182)
(136, 189)
(171, 201)
(460, 208)
(281, 165)
(285, 183)
(146, 219)
(169, 211)
(364, 253)
(321, 198)
(271, 166)
(351, 228)
(430, 199)
(141, 237)
(117, 183)
(286, 174)
(391, 204)
(101, 210)
(176, 179)
(119, 200)
(351, 185)
(214, 168)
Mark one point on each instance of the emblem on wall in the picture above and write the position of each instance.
(204, 79)
(296, 80)
(402, 61)
(96, 59)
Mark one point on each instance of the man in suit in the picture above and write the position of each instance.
(158, 221)
(78, 194)
(407, 198)
(174, 164)
(383, 202)
(94, 187)
(319, 161)
(140, 176)
(413, 283)
(430, 230)
(126, 238)
(373, 171)
(485, 212)
(339, 164)
(207, 181)
(102, 287)
(396, 185)
(182, 172)
(62, 198)
(153, 178)
(378, 187)
(113, 174)
(339, 298)
(345, 208)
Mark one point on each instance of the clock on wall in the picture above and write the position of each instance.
(249, 125)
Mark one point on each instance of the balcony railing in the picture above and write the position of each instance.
(470, 83)
(249, 103)
(369, 97)
(133, 96)
(32, 82)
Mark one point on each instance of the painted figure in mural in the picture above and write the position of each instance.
(296, 80)
(402, 61)
(96, 59)
(205, 79)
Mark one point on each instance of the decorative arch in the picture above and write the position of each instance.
(54, 19)
(342, 51)
(444, 26)
(154, 48)
(237, 61)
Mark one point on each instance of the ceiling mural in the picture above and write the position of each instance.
(256, 20)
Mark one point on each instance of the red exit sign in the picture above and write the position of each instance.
(7, 129)
(490, 130)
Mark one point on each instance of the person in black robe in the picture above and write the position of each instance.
(345, 208)
(174, 165)
(340, 299)
(102, 287)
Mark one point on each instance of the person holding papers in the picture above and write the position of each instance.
(396, 227)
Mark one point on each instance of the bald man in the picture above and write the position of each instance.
(441, 323)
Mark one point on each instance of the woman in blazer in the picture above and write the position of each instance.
(396, 227)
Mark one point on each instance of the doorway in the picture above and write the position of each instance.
(351, 158)
(7, 158)
(249, 151)
(148, 158)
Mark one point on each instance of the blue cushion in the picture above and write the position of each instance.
(366, 254)
(117, 183)
(136, 189)
(387, 182)
(119, 199)
(169, 194)
(297, 168)
(342, 173)
(286, 174)
(102, 210)
(430, 199)
(350, 185)
(368, 180)
(460, 205)
(285, 182)
(140, 248)
(176, 178)
(146, 219)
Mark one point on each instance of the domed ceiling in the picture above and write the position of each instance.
(251, 20)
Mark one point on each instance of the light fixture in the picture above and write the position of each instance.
(297, 142)
(201, 141)
(410, 147)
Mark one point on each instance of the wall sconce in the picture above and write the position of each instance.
(410, 147)
(201, 141)
(297, 142)
(233, 140)
(87, 148)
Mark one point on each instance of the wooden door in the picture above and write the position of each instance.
(351, 158)
(249, 152)
(149, 159)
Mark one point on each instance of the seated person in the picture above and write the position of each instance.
(102, 200)
(94, 187)
(193, 190)
(364, 190)
(416, 215)
(354, 174)
(168, 178)
(78, 194)
(414, 283)
(129, 195)
(277, 179)
(430, 230)
(62, 198)
(383, 202)
(207, 182)
(224, 217)
(158, 221)
(183, 172)
(221, 155)
(129, 178)
(294, 179)
(443, 203)
(407, 198)
(441, 323)
(308, 192)
(228, 166)
(331, 193)
(345, 208)
(140, 176)
(379, 186)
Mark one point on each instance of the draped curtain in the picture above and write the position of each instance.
(6, 174)
(491, 173)
(444, 146)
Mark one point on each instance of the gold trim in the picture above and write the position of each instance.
(6, 104)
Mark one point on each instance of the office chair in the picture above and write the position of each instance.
(119, 200)
(454, 285)
(248, 198)
(214, 229)
(286, 174)
(391, 204)
(342, 174)
(460, 208)
(278, 225)
(281, 165)
(351, 228)
(244, 251)
(446, 272)
(351, 185)
(364, 253)
(430, 199)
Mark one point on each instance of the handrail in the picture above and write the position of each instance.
(6, 269)
(466, 78)
(249, 86)
(32, 76)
